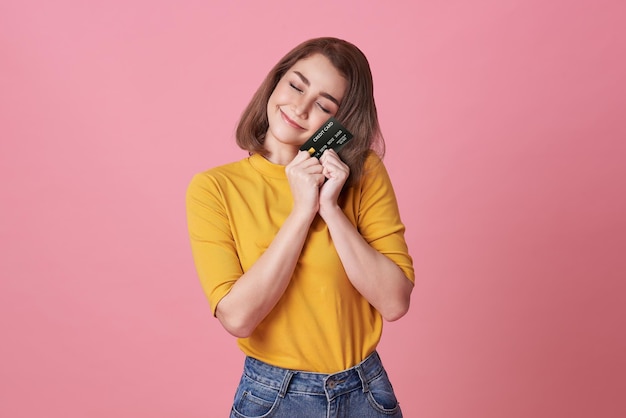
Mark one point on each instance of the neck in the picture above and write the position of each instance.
(282, 156)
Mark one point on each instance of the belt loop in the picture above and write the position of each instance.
(361, 373)
(285, 385)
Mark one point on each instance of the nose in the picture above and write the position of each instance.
(301, 108)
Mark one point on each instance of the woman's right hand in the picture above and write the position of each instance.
(305, 178)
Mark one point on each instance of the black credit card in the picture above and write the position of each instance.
(332, 135)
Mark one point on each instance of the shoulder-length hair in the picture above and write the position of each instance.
(357, 111)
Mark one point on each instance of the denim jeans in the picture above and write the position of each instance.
(363, 391)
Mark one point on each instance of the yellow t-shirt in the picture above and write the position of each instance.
(321, 323)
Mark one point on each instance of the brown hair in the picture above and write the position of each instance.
(357, 111)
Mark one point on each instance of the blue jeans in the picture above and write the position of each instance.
(363, 391)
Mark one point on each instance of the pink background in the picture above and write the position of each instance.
(506, 142)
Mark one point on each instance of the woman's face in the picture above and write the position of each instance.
(305, 97)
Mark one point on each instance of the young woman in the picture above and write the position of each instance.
(301, 258)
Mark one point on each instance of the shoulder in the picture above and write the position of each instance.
(222, 173)
(373, 161)
(215, 180)
(226, 170)
(374, 169)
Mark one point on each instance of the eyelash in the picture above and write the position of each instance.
(293, 86)
(322, 108)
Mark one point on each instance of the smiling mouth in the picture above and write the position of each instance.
(289, 121)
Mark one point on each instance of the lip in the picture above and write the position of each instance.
(289, 121)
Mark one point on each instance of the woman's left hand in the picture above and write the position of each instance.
(336, 173)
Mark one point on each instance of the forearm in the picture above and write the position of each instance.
(258, 290)
(373, 274)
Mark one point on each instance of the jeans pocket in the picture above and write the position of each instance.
(381, 396)
(253, 399)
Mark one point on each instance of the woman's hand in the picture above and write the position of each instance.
(336, 172)
(305, 175)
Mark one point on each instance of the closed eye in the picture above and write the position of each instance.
(323, 108)
(293, 86)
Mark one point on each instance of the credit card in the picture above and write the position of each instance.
(332, 135)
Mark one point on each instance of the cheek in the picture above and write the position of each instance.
(277, 95)
(280, 94)
(317, 121)
(271, 102)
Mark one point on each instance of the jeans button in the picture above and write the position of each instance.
(332, 384)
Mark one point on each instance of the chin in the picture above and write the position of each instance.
(289, 135)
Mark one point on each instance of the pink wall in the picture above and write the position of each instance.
(506, 141)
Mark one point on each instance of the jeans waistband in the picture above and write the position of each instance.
(329, 385)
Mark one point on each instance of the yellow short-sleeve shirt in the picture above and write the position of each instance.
(321, 323)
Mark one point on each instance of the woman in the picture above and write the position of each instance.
(301, 258)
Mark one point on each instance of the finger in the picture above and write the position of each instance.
(335, 164)
(303, 163)
(328, 154)
(312, 164)
(331, 157)
(301, 156)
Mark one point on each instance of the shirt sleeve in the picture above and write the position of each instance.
(379, 216)
(212, 244)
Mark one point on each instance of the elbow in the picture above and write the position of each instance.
(238, 331)
(235, 325)
(397, 300)
(393, 313)
(397, 308)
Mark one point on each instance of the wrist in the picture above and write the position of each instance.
(303, 215)
(329, 210)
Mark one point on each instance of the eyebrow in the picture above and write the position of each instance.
(323, 94)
